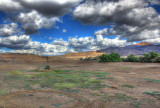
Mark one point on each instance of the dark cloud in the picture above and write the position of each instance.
(36, 14)
(129, 18)
(32, 21)
(10, 5)
(15, 42)
(50, 7)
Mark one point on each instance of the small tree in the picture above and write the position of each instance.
(131, 58)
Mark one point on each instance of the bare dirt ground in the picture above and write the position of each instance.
(127, 83)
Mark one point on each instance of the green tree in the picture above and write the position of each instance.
(132, 58)
(153, 55)
(112, 57)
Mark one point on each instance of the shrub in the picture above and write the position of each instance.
(153, 55)
(112, 57)
(149, 57)
(46, 67)
(131, 58)
(156, 60)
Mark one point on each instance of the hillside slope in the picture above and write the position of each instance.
(20, 58)
(82, 55)
(132, 49)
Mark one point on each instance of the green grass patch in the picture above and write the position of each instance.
(121, 98)
(118, 97)
(57, 105)
(152, 80)
(125, 67)
(65, 85)
(57, 79)
(155, 94)
(129, 86)
(62, 71)
(4, 91)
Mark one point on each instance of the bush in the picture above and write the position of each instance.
(46, 67)
(153, 55)
(112, 57)
(149, 57)
(156, 60)
(131, 58)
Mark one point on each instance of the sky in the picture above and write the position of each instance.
(57, 27)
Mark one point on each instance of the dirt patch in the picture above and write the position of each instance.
(131, 74)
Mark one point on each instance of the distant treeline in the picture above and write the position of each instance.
(151, 57)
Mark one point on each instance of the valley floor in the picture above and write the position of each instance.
(80, 84)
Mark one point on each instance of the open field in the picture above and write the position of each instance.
(80, 84)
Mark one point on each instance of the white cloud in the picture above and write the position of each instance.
(15, 42)
(64, 30)
(155, 41)
(2, 51)
(8, 29)
(33, 21)
(90, 44)
(154, 2)
(50, 38)
(128, 18)
(10, 5)
(36, 14)
(23, 44)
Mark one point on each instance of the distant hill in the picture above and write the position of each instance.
(20, 58)
(82, 55)
(143, 43)
(137, 49)
(31, 58)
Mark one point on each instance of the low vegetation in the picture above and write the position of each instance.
(127, 85)
(121, 98)
(56, 79)
(155, 94)
(46, 67)
(112, 57)
(152, 80)
(151, 57)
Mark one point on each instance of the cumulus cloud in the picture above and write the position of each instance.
(2, 51)
(50, 7)
(50, 38)
(15, 42)
(127, 17)
(155, 41)
(23, 44)
(36, 14)
(90, 44)
(10, 5)
(46, 7)
(64, 31)
(8, 29)
(154, 2)
(105, 32)
(32, 21)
